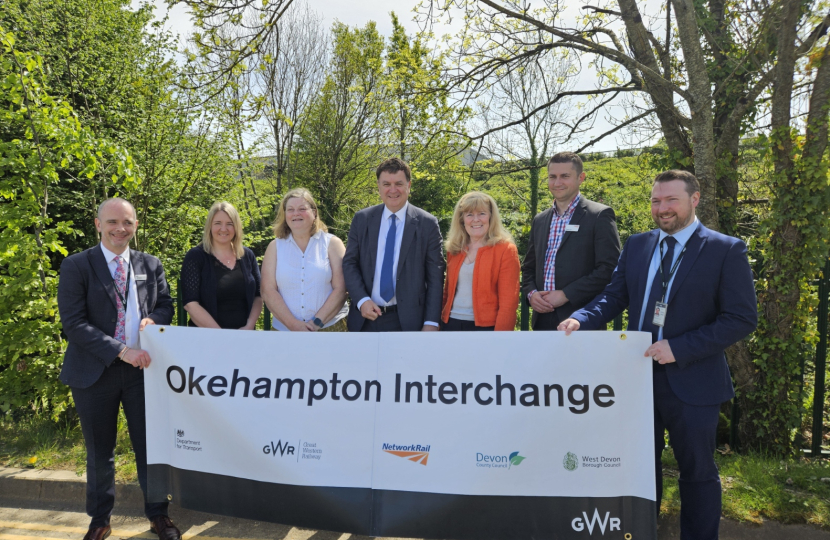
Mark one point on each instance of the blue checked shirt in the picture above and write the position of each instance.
(557, 231)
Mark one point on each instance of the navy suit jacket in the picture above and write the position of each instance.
(711, 306)
(419, 277)
(87, 305)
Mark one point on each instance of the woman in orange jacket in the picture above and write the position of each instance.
(481, 291)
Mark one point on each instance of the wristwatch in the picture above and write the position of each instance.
(318, 322)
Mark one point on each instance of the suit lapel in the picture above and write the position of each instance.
(580, 210)
(102, 271)
(542, 239)
(693, 248)
(645, 257)
(137, 261)
(374, 232)
(409, 229)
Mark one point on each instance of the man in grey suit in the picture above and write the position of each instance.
(394, 265)
(106, 296)
(573, 247)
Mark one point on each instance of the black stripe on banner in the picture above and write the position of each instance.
(405, 513)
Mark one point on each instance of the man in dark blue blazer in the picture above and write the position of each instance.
(692, 288)
(394, 264)
(106, 296)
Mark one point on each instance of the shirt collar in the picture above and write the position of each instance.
(682, 236)
(400, 213)
(571, 206)
(110, 256)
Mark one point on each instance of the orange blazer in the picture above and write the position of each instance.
(495, 285)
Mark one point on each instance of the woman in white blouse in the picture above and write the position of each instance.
(302, 271)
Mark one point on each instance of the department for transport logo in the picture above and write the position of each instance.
(180, 433)
(412, 452)
(570, 462)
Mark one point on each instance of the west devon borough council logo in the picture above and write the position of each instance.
(570, 462)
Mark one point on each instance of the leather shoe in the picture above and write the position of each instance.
(98, 533)
(163, 526)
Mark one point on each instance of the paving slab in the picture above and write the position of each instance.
(36, 503)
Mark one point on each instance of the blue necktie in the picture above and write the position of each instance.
(387, 280)
(657, 289)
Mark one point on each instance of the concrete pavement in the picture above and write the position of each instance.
(38, 504)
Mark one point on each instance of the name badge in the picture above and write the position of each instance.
(660, 309)
(141, 277)
(571, 228)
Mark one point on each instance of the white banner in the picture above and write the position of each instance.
(564, 421)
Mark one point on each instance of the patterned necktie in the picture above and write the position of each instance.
(657, 289)
(121, 285)
(387, 282)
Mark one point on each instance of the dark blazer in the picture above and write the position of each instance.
(584, 262)
(419, 278)
(199, 279)
(87, 306)
(711, 305)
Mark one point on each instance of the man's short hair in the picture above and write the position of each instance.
(692, 185)
(112, 200)
(393, 165)
(567, 157)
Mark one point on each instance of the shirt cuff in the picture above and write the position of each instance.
(430, 323)
(362, 301)
(531, 293)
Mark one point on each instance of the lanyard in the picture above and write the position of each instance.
(664, 279)
(127, 291)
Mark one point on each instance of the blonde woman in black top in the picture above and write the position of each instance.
(220, 277)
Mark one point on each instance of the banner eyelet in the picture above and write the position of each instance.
(161, 329)
(622, 337)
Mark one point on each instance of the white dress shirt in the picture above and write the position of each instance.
(133, 315)
(385, 223)
(682, 236)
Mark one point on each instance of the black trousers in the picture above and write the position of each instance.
(457, 325)
(692, 436)
(388, 322)
(120, 384)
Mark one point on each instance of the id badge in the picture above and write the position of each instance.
(660, 309)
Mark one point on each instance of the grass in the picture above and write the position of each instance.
(40, 443)
(758, 488)
(755, 488)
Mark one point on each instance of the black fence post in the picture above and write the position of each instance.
(181, 316)
(266, 320)
(525, 317)
(821, 362)
(618, 323)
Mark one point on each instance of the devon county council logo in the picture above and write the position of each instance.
(570, 462)
(414, 452)
(515, 459)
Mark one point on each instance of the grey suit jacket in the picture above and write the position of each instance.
(87, 306)
(419, 281)
(585, 260)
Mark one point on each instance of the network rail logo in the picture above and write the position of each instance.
(411, 452)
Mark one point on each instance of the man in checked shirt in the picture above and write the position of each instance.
(573, 247)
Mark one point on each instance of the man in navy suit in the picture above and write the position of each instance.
(692, 288)
(394, 265)
(106, 296)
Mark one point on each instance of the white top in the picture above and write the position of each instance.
(304, 279)
(133, 315)
(462, 303)
(682, 236)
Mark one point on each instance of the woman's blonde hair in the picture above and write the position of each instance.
(281, 228)
(207, 238)
(458, 239)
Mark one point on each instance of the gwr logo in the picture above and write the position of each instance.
(279, 447)
(579, 523)
(417, 457)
